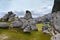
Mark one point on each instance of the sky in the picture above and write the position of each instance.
(37, 7)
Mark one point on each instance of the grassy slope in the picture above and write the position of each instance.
(34, 35)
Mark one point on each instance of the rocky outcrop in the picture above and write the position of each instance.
(8, 16)
(28, 22)
(28, 15)
(4, 25)
(56, 6)
(32, 24)
(27, 29)
(56, 21)
(16, 24)
(56, 37)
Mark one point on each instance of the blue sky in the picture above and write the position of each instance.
(39, 7)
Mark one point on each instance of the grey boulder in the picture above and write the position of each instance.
(27, 29)
(25, 23)
(33, 27)
(46, 29)
(32, 23)
(56, 21)
(3, 25)
(28, 15)
(17, 24)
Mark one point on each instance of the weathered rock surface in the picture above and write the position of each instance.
(45, 29)
(56, 37)
(27, 29)
(32, 23)
(8, 16)
(17, 24)
(26, 23)
(56, 21)
(28, 15)
(3, 25)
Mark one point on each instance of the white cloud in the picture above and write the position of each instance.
(40, 7)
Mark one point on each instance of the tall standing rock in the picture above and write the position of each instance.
(28, 15)
(56, 6)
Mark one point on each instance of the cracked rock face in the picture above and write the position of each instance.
(56, 21)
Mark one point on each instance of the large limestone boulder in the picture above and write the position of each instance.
(8, 16)
(28, 15)
(56, 37)
(32, 23)
(56, 21)
(56, 6)
(27, 29)
(3, 25)
(16, 24)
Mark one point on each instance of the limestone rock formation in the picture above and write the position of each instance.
(16, 24)
(56, 21)
(56, 6)
(27, 29)
(4, 25)
(56, 37)
(28, 20)
(8, 16)
(26, 23)
(32, 23)
(28, 15)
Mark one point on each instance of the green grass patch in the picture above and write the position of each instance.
(19, 35)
